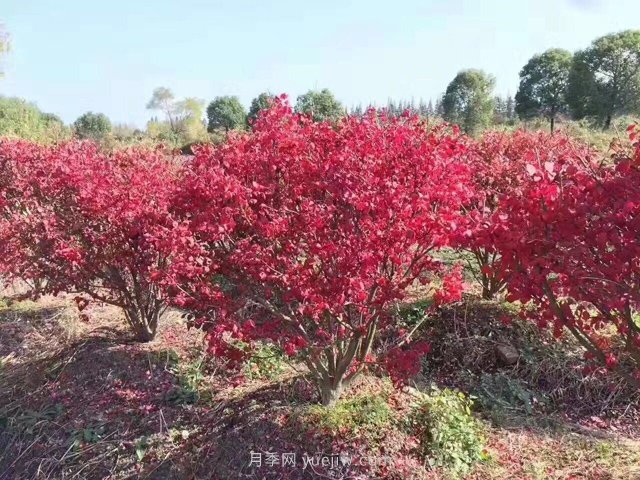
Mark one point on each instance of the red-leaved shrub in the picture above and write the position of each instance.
(304, 233)
(569, 243)
(77, 220)
(507, 166)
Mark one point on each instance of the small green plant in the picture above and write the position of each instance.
(141, 446)
(362, 416)
(605, 450)
(92, 433)
(169, 358)
(267, 362)
(190, 377)
(192, 374)
(414, 313)
(26, 307)
(30, 419)
(449, 435)
(182, 395)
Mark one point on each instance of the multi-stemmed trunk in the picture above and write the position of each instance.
(140, 301)
(584, 336)
(142, 305)
(143, 319)
(492, 283)
(333, 367)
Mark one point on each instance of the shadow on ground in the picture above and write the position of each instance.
(90, 404)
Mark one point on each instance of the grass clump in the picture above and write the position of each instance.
(450, 437)
(266, 362)
(498, 391)
(190, 377)
(361, 416)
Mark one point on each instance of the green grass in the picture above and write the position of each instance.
(359, 416)
(21, 307)
(267, 362)
(450, 437)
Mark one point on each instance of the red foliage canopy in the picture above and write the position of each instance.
(507, 167)
(569, 241)
(305, 233)
(314, 230)
(76, 220)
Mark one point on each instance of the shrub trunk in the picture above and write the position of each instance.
(144, 321)
(330, 393)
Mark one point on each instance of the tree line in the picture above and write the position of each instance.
(597, 83)
(226, 113)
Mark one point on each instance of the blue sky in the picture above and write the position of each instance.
(71, 56)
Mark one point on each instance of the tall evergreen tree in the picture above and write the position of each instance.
(422, 109)
(499, 110)
(431, 111)
(439, 108)
(510, 107)
(357, 111)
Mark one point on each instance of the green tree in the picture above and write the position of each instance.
(163, 99)
(22, 119)
(499, 110)
(510, 109)
(184, 122)
(189, 117)
(94, 126)
(468, 100)
(439, 108)
(51, 119)
(259, 103)
(126, 132)
(604, 80)
(226, 113)
(321, 105)
(161, 131)
(543, 86)
(431, 110)
(357, 111)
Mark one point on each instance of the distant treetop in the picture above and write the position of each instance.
(321, 105)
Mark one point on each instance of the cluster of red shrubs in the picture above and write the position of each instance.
(305, 234)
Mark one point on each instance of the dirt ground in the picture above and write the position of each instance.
(80, 400)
